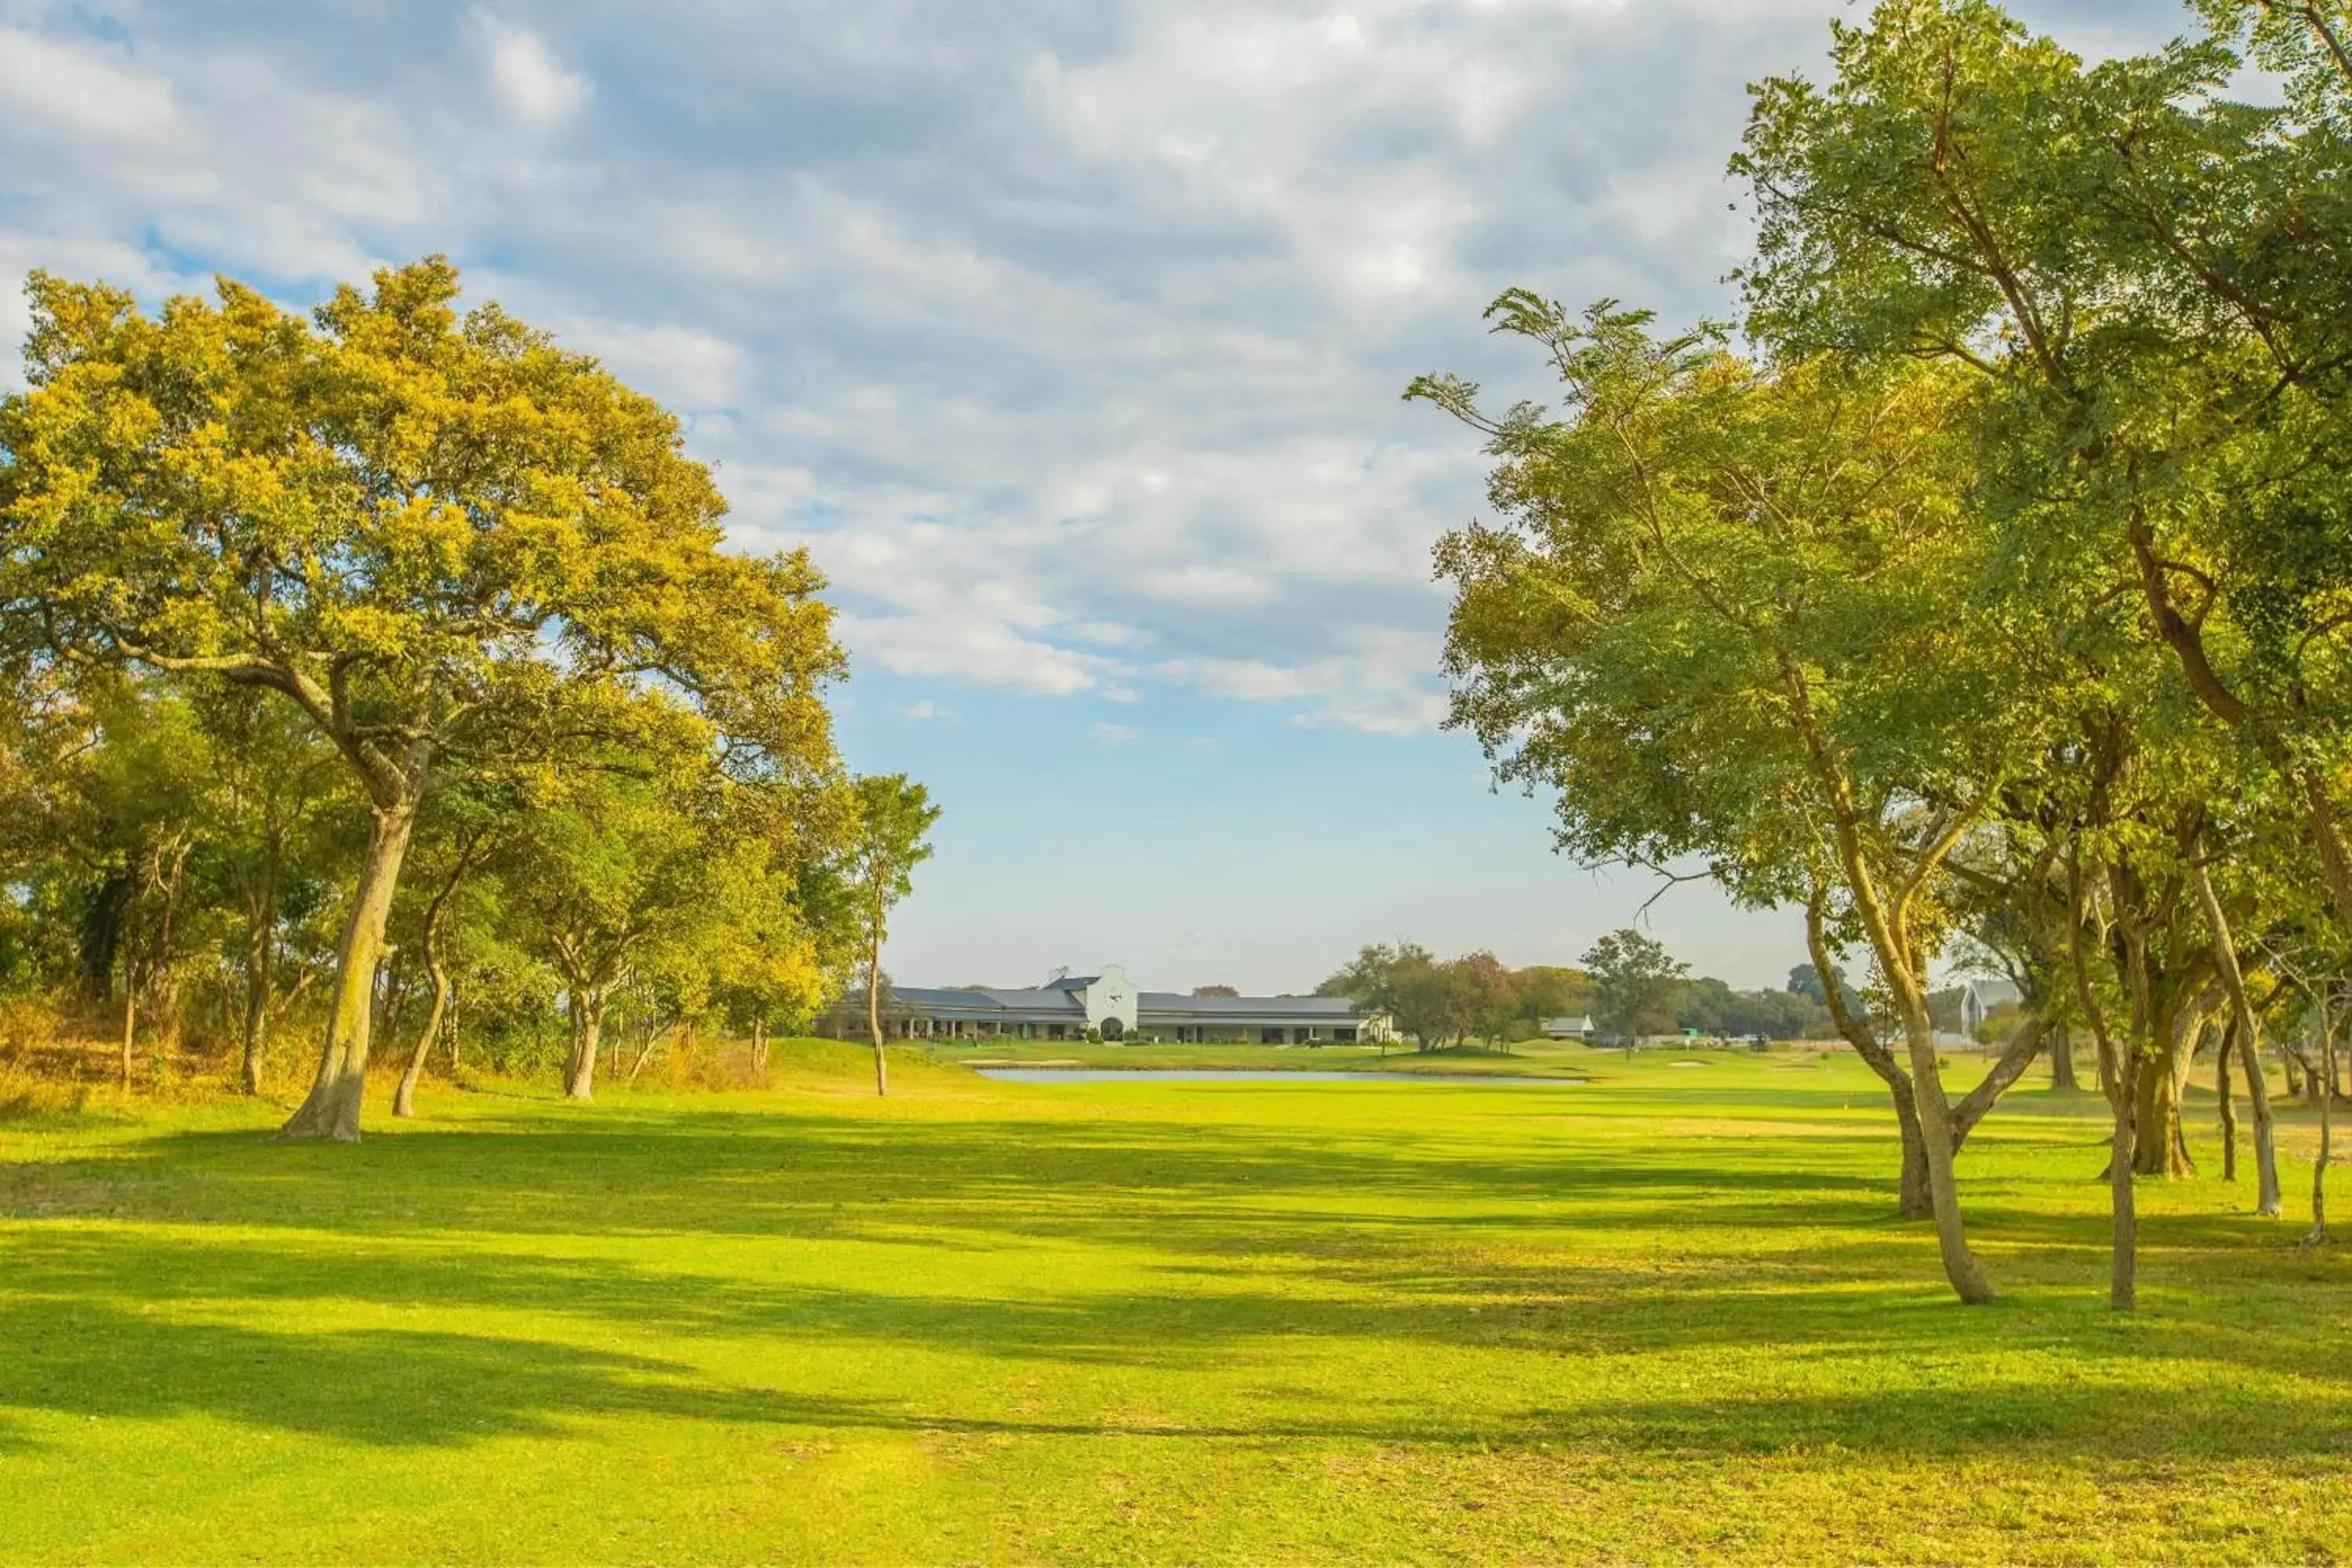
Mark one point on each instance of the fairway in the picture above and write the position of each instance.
(1664, 1313)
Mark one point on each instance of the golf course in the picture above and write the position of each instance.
(1657, 1307)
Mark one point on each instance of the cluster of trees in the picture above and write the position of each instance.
(1445, 1003)
(1992, 588)
(1629, 985)
(386, 663)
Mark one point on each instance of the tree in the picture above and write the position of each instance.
(1215, 991)
(1495, 993)
(894, 819)
(410, 525)
(1634, 983)
(2140, 269)
(1724, 615)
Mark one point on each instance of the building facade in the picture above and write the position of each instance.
(1073, 1007)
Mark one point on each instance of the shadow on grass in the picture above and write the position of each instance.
(1239, 1241)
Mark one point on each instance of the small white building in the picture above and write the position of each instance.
(1576, 1029)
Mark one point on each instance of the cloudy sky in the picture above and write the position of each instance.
(1069, 334)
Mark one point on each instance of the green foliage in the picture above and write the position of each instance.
(1635, 983)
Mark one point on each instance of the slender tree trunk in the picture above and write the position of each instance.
(587, 1035)
(2268, 1201)
(759, 1051)
(404, 1099)
(2123, 1276)
(2221, 1101)
(1914, 1197)
(332, 1108)
(130, 1019)
(874, 1000)
(257, 1003)
(2327, 1125)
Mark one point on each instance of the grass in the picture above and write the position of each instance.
(1664, 1313)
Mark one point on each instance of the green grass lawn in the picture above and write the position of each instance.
(1664, 1313)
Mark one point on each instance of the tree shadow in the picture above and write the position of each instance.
(1238, 1244)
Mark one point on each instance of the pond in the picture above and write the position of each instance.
(1250, 1075)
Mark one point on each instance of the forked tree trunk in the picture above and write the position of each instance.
(2268, 1201)
(1960, 1266)
(331, 1110)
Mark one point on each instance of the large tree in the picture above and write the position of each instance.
(410, 524)
(1724, 613)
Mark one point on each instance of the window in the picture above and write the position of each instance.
(1345, 1034)
(1270, 1036)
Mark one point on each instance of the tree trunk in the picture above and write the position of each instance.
(1960, 1266)
(257, 1003)
(404, 1099)
(2327, 1126)
(129, 1020)
(2061, 1060)
(873, 1003)
(2268, 1204)
(2158, 1147)
(587, 1034)
(1913, 1198)
(332, 1108)
(759, 1051)
(2123, 1275)
(2221, 1101)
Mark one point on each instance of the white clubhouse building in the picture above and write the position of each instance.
(1070, 1008)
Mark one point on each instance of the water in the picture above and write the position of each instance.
(1248, 1075)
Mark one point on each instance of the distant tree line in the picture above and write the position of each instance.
(1629, 986)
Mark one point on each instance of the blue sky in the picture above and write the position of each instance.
(1067, 336)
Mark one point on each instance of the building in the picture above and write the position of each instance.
(1576, 1029)
(1979, 1000)
(1069, 1007)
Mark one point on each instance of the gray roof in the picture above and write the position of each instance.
(982, 1003)
(1174, 1002)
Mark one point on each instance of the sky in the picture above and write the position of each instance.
(1069, 339)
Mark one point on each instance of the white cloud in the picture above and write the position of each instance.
(923, 710)
(528, 79)
(1105, 734)
(78, 88)
(1068, 341)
